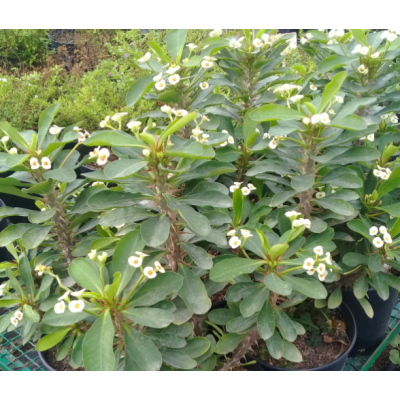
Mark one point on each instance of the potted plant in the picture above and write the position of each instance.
(371, 86)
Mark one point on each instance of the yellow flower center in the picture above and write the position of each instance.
(150, 272)
(308, 264)
(77, 305)
(136, 261)
(102, 158)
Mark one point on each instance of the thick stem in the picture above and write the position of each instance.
(64, 237)
(308, 169)
(241, 351)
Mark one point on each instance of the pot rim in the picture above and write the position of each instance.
(43, 359)
(344, 355)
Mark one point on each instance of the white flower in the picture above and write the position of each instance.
(46, 163)
(251, 186)
(325, 119)
(336, 33)
(180, 113)
(376, 55)
(231, 233)
(273, 144)
(265, 37)
(191, 46)
(308, 264)
(391, 37)
(120, 226)
(362, 69)
(93, 255)
(5, 139)
(19, 315)
(160, 85)
(303, 40)
(223, 144)
(34, 163)
(306, 121)
(231, 140)
(166, 109)
(235, 43)
(103, 156)
(245, 233)
(135, 261)
(313, 87)
(234, 242)
(394, 119)
(328, 258)
(320, 195)
(364, 50)
(145, 58)
(377, 173)
(55, 130)
(216, 32)
(297, 98)
(311, 272)
(378, 242)
(146, 152)
(64, 296)
(321, 269)
(387, 238)
(76, 128)
(174, 79)
(13, 151)
(373, 231)
(149, 273)
(257, 43)
(296, 223)
(245, 191)
(204, 85)
(59, 308)
(14, 321)
(309, 35)
(79, 293)
(207, 64)
(332, 111)
(339, 99)
(322, 277)
(357, 49)
(371, 137)
(290, 214)
(315, 119)
(158, 77)
(385, 116)
(118, 116)
(82, 138)
(266, 135)
(171, 70)
(159, 268)
(306, 223)
(76, 306)
(385, 176)
(319, 251)
(383, 229)
(233, 188)
(197, 131)
(133, 124)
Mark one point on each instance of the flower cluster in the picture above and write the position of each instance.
(287, 90)
(310, 264)
(390, 35)
(383, 173)
(318, 119)
(246, 190)
(378, 242)
(235, 241)
(18, 315)
(45, 163)
(297, 223)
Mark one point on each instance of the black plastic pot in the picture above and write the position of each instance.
(392, 367)
(371, 331)
(43, 359)
(337, 365)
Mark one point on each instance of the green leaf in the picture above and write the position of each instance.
(45, 121)
(9, 303)
(367, 307)
(211, 198)
(221, 316)
(15, 191)
(331, 90)
(249, 129)
(98, 352)
(277, 250)
(12, 233)
(198, 255)
(274, 112)
(392, 183)
(176, 125)
(309, 287)
(159, 52)
(193, 62)
(33, 237)
(266, 321)
(193, 291)
(277, 285)
(127, 247)
(152, 317)
(350, 122)
(13, 134)
(282, 197)
(65, 347)
(238, 204)
(335, 299)
(155, 231)
(195, 150)
(360, 288)
(113, 139)
(31, 314)
(302, 183)
(241, 324)
(49, 341)
(229, 269)
(86, 275)
(14, 282)
(359, 35)
(228, 343)
(275, 346)
(355, 259)
(343, 177)
(62, 174)
(38, 217)
(177, 359)
(393, 210)
(106, 199)
(167, 340)
(122, 169)
(291, 353)
(356, 154)
(375, 262)
(336, 205)
(359, 226)
(286, 326)
(26, 275)
(77, 352)
(67, 318)
(334, 62)
(254, 302)
(139, 88)
(155, 290)
(196, 347)
(175, 41)
(125, 215)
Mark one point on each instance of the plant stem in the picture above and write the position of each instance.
(69, 155)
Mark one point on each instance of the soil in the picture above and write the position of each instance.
(333, 345)
(220, 296)
(383, 362)
(60, 365)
